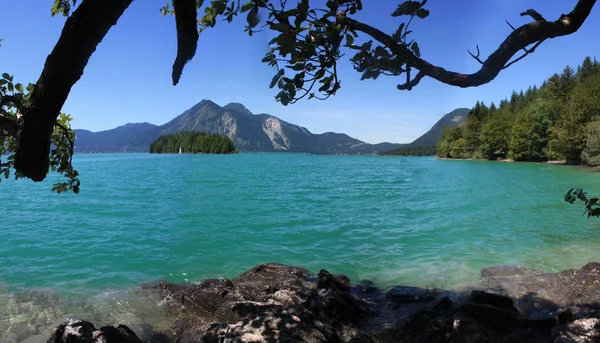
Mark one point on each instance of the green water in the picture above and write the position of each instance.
(141, 217)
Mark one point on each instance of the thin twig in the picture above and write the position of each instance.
(476, 57)
(527, 52)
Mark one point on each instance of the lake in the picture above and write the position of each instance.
(393, 220)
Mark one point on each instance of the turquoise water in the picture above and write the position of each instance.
(141, 217)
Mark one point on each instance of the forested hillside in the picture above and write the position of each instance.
(426, 144)
(560, 120)
(193, 142)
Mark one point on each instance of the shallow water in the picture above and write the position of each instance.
(141, 217)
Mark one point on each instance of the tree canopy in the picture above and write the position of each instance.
(194, 143)
(560, 120)
(309, 45)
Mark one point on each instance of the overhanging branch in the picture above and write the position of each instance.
(186, 22)
(522, 37)
(83, 31)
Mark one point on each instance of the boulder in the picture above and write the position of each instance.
(79, 331)
(580, 331)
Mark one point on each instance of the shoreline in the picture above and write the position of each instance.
(296, 289)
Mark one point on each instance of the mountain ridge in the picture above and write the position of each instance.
(250, 133)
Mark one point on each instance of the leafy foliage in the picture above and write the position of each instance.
(63, 7)
(193, 142)
(592, 205)
(13, 96)
(552, 122)
(310, 41)
(411, 151)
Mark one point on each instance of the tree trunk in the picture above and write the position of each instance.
(83, 31)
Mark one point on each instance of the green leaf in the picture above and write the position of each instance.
(281, 27)
(303, 6)
(252, 17)
(415, 48)
(247, 6)
(297, 66)
(6, 76)
(422, 13)
(349, 39)
(381, 52)
(406, 8)
(398, 34)
(19, 87)
(274, 80)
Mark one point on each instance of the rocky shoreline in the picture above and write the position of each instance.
(278, 303)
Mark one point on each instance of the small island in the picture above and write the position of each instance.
(193, 143)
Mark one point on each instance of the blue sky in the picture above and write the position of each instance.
(128, 79)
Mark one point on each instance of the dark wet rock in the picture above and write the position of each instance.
(407, 294)
(490, 315)
(444, 304)
(329, 281)
(496, 300)
(85, 332)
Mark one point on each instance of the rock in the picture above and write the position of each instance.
(278, 303)
(580, 331)
(273, 326)
(327, 281)
(496, 300)
(428, 326)
(269, 302)
(495, 317)
(85, 332)
(566, 316)
(331, 301)
(444, 304)
(407, 294)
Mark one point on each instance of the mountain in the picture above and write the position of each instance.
(426, 144)
(249, 132)
(126, 138)
(434, 135)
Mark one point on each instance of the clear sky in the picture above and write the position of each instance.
(128, 79)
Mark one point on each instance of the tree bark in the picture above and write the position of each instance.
(186, 16)
(519, 39)
(83, 31)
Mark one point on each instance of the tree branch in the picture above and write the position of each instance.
(83, 31)
(533, 14)
(520, 38)
(186, 22)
